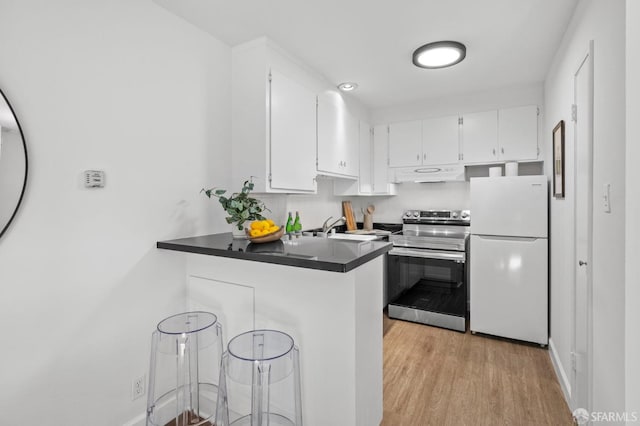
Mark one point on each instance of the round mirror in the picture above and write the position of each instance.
(13, 164)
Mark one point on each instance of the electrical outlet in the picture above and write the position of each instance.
(138, 387)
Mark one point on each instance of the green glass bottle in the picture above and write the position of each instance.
(289, 226)
(297, 226)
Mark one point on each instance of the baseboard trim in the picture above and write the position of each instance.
(139, 420)
(565, 384)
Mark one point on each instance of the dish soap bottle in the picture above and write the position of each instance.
(289, 225)
(297, 226)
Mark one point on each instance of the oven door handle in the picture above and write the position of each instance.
(459, 257)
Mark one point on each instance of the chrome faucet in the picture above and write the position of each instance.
(327, 228)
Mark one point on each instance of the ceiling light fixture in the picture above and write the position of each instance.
(439, 54)
(347, 86)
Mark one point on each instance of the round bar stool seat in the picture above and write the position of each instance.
(186, 350)
(260, 381)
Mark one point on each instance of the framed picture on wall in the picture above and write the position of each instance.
(558, 160)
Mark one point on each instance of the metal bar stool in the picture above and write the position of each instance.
(186, 350)
(260, 381)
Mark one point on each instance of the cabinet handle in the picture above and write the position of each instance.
(502, 150)
(494, 152)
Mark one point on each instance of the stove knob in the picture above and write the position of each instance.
(416, 214)
(465, 215)
(454, 215)
(406, 215)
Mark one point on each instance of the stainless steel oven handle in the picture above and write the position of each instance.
(428, 254)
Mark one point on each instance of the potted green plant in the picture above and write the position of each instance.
(240, 206)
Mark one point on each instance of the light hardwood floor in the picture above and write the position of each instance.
(434, 376)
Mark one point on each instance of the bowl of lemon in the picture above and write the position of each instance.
(264, 231)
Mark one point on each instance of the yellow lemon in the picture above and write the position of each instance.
(270, 222)
(254, 232)
(255, 224)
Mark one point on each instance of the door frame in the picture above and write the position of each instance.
(587, 363)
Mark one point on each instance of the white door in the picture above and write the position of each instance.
(518, 133)
(405, 144)
(480, 137)
(508, 287)
(292, 135)
(440, 140)
(583, 124)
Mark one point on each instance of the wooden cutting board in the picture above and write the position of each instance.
(347, 211)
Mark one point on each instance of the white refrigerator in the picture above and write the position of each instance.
(508, 257)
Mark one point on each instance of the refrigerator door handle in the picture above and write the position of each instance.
(509, 238)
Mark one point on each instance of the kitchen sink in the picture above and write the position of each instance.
(340, 235)
(354, 237)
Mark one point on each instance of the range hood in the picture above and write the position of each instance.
(429, 174)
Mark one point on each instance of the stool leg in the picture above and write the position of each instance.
(222, 405)
(260, 394)
(152, 378)
(296, 384)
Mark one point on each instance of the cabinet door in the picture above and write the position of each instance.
(337, 136)
(518, 133)
(380, 151)
(293, 135)
(330, 151)
(480, 137)
(405, 144)
(440, 140)
(365, 175)
(351, 160)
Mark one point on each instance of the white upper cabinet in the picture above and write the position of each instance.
(365, 180)
(440, 140)
(509, 134)
(405, 144)
(380, 162)
(293, 134)
(518, 133)
(479, 134)
(338, 134)
(273, 120)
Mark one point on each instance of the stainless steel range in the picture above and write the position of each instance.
(427, 274)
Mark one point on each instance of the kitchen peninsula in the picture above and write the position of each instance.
(325, 293)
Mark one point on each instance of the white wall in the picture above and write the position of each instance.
(126, 87)
(632, 249)
(602, 22)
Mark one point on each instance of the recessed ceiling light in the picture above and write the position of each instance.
(439, 54)
(347, 86)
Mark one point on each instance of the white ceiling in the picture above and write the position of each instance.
(509, 42)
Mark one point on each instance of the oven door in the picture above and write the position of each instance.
(423, 280)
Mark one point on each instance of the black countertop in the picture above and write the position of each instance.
(303, 252)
